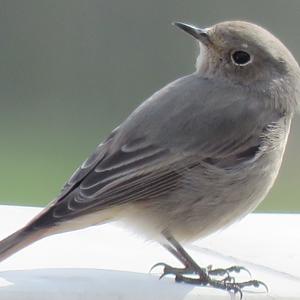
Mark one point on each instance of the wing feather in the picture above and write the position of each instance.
(150, 154)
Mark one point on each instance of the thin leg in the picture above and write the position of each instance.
(179, 252)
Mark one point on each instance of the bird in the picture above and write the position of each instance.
(193, 158)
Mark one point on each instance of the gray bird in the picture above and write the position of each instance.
(196, 156)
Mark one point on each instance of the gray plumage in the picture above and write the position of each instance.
(193, 158)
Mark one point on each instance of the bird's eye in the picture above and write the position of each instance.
(240, 58)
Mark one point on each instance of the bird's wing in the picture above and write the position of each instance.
(147, 156)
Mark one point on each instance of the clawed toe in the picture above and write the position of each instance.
(238, 269)
(160, 264)
(253, 283)
(169, 270)
(227, 271)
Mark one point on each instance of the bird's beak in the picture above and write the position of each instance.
(198, 33)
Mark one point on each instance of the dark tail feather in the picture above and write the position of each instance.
(19, 240)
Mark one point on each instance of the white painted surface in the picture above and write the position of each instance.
(109, 262)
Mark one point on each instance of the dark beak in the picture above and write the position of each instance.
(198, 33)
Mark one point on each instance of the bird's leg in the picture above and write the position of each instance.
(194, 274)
(190, 266)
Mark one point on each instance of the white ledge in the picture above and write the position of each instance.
(109, 262)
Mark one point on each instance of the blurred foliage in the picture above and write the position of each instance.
(72, 70)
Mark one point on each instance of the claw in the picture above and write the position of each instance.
(157, 265)
(167, 270)
(237, 290)
(264, 285)
(254, 283)
(238, 269)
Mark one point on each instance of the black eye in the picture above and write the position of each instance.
(240, 58)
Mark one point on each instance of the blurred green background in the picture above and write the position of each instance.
(71, 71)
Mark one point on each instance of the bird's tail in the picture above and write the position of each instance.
(19, 240)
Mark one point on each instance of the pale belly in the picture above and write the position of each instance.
(213, 202)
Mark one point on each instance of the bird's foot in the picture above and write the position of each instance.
(193, 274)
(205, 277)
